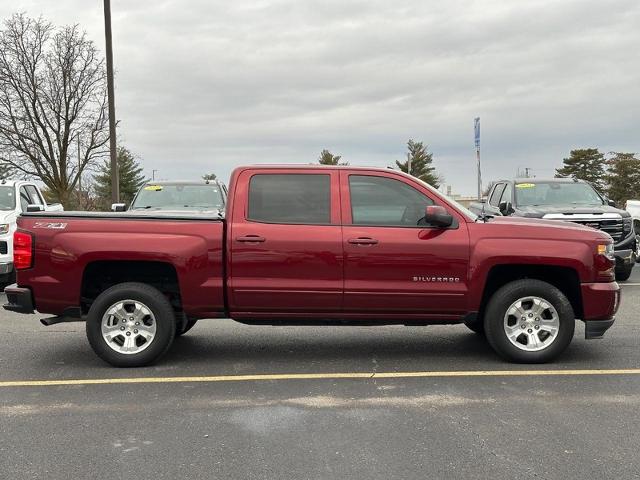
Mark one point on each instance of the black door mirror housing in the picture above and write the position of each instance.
(505, 208)
(438, 216)
(611, 203)
(32, 207)
(118, 207)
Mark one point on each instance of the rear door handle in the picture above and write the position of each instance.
(250, 239)
(363, 241)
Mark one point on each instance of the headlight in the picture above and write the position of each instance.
(4, 228)
(606, 249)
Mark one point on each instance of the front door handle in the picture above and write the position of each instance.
(250, 239)
(363, 241)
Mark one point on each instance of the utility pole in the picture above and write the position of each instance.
(79, 175)
(409, 163)
(153, 174)
(115, 183)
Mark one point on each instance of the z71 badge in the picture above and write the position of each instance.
(56, 225)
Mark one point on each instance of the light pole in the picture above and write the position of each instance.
(153, 174)
(115, 183)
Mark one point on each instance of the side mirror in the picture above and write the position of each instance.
(437, 216)
(32, 207)
(611, 203)
(118, 207)
(505, 208)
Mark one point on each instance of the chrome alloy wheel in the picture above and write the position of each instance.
(128, 327)
(531, 324)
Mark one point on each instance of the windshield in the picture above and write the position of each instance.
(7, 198)
(179, 197)
(556, 193)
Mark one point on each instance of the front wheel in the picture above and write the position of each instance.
(529, 321)
(131, 325)
(623, 273)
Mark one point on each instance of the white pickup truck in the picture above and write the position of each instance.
(16, 196)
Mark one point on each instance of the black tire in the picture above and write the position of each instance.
(498, 306)
(623, 273)
(475, 326)
(187, 326)
(155, 301)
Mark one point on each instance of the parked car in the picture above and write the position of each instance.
(202, 195)
(311, 245)
(565, 199)
(633, 207)
(16, 196)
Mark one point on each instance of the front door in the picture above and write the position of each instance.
(286, 243)
(394, 263)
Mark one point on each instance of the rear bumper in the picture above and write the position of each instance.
(600, 302)
(19, 299)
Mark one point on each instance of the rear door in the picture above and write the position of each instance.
(395, 264)
(286, 242)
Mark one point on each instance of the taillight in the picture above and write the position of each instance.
(22, 250)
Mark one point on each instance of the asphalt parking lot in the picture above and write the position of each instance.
(510, 421)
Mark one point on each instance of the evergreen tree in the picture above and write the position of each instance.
(623, 178)
(130, 176)
(421, 164)
(328, 158)
(209, 176)
(586, 164)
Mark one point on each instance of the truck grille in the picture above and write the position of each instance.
(610, 223)
(3, 248)
(612, 227)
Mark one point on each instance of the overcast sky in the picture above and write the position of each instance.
(203, 85)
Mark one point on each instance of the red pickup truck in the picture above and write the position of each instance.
(309, 245)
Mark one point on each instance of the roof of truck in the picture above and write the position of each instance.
(548, 180)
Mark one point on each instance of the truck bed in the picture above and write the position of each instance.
(183, 249)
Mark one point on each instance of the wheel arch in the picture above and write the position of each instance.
(564, 279)
(99, 275)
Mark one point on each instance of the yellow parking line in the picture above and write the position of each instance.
(316, 376)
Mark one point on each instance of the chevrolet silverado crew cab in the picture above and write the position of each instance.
(565, 199)
(311, 245)
(16, 196)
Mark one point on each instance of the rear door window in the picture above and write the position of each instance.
(34, 195)
(290, 198)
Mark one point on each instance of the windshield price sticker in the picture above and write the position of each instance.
(154, 188)
(525, 185)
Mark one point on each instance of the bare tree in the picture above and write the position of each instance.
(53, 115)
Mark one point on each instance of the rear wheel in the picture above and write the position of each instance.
(529, 321)
(131, 325)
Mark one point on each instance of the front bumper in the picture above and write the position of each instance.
(6, 268)
(19, 299)
(600, 302)
(625, 251)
